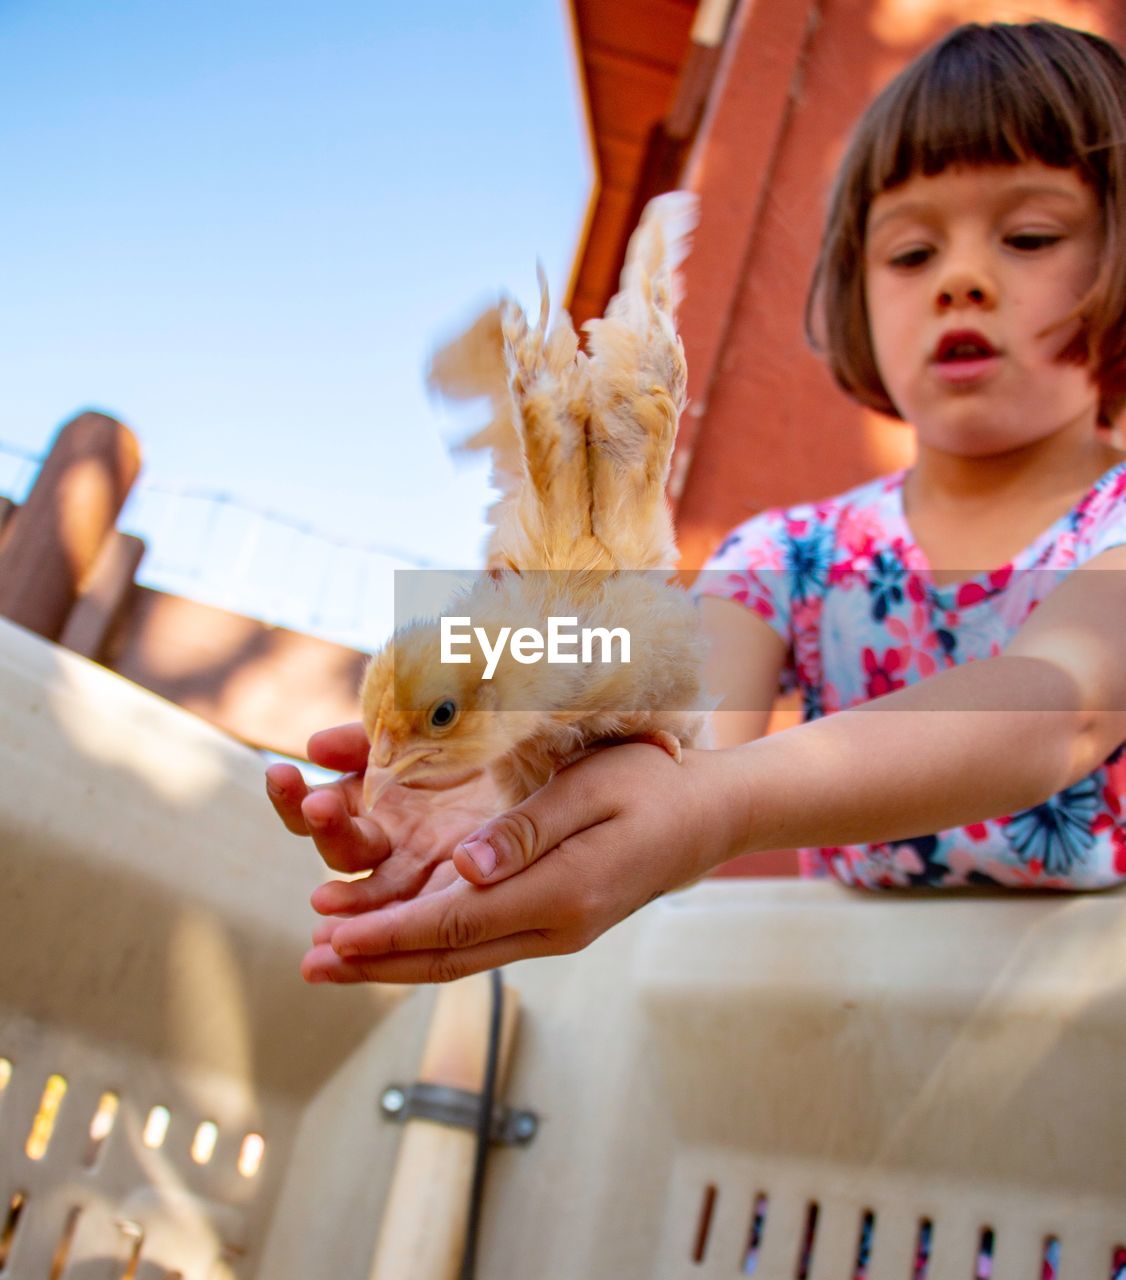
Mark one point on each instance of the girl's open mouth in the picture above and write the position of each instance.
(964, 356)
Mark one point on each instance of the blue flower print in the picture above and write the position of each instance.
(947, 639)
(813, 706)
(926, 850)
(1057, 833)
(808, 558)
(885, 584)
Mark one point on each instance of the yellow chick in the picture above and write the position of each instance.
(581, 444)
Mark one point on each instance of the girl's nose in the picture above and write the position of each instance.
(964, 289)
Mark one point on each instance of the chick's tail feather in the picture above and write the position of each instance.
(639, 378)
(582, 444)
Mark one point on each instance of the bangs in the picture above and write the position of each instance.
(985, 96)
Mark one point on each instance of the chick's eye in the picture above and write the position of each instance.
(443, 714)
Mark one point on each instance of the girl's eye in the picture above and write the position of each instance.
(1031, 241)
(443, 714)
(910, 258)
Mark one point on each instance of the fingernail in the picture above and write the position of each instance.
(316, 975)
(483, 854)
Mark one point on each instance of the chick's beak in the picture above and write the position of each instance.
(381, 772)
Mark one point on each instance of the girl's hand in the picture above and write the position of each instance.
(405, 844)
(602, 838)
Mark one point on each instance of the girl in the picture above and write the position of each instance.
(972, 280)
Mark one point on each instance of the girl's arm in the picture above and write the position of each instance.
(987, 738)
(745, 657)
(627, 824)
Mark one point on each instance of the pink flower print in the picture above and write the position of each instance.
(963, 862)
(897, 628)
(858, 531)
(910, 556)
(1029, 876)
(889, 866)
(830, 698)
(921, 642)
(1064, 554)
(806, 619)
(881, 672)
(970, 593)
(1115, 771)
(848, 571)
(767, 555)
(926, 664)
(1106, 822)
(747, 590)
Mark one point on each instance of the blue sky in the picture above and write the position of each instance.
(240, 228)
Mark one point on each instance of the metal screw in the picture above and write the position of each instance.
(524, 1126)
(393, 1100)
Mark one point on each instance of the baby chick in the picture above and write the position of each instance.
(581, 447)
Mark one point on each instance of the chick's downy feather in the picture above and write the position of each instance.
(581, 445)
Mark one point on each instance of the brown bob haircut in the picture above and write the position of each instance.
(984, 95)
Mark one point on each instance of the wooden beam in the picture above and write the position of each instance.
(58, 532)
(108, 587)
(425, 1218)
(265, 685)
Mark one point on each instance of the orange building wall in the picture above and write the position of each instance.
(765, 424)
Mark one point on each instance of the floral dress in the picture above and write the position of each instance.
(845, 585)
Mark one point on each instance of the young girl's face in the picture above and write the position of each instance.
(966, 273)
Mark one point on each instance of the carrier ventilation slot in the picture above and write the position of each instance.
(203, 1144)
(66, 1239)
(100, 1127)
(754, 1236)
(984, 1268)
(135, 1233)
(704, 1223)
(251, 1154)
(43, 1126)
(156, 1128)
(864, 1245)
(924, 1243)
(805, 1254)
(16, 1206)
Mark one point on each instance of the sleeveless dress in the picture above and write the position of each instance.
(843, 582)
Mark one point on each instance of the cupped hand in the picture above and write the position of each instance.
(405, 843)
(601, 839)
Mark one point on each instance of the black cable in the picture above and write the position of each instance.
(484, 1130)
